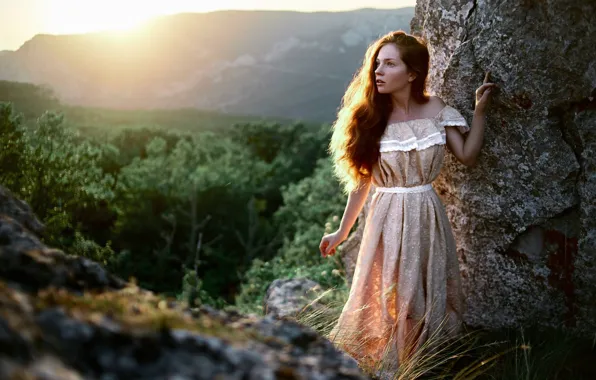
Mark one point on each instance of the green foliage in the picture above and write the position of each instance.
(289, 152)
(307, 205)
(88, 248)
(135, 199)
(12, 148)
(199, 177)
(133, 195)
(29, 99)
(312, 201)
(194, 294)
(64, 173)
(268, 141)
(57, 176)
(101, 122)
(64, 179)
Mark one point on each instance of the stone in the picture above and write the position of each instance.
(19, 210)
(67, 317)
(523, 217)
(291, 297)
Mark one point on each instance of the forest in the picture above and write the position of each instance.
(205, 207)
(211, 208)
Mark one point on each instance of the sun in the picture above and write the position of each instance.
(76, 16)
(83, 16)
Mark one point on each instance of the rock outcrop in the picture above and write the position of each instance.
(66, 317)
(291, 297)
(524, 217)
(20, 211)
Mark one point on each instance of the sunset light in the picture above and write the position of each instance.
(74, 16)
(23, 19)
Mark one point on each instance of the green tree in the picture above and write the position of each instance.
(29, 99)
(13, 149)
(64, 179)
(311, 207)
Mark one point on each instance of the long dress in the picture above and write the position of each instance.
(406, 286)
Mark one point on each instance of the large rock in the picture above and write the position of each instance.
(524, 217)
(19, 210)
(66, 317)
(292, 297)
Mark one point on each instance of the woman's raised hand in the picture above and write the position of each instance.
(329, 243)
(482, 95)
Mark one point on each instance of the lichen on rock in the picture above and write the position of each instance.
(66, 317)
(525, 216)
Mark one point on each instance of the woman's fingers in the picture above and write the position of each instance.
(485, 86)
(327, 249)
(483, 92)
(482, 89)
(328, 245)
(323, 246)
(330, 250)
(486, 77)
(486, 94)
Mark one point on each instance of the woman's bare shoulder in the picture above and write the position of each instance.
(434, 105)
(436, 101)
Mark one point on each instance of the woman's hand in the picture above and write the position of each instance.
(330, 242)
(482, 95)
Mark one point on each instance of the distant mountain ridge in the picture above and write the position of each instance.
(266, 63)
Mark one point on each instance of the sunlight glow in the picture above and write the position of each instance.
(78, 16)
(20, 20)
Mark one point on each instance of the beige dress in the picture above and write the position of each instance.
(406, 284)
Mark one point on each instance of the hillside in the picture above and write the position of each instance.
(33, 100)
(266, 63)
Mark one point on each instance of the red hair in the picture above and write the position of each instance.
(364, 112)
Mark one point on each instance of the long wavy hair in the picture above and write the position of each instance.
(364, 112)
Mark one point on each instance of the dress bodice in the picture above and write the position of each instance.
(411, 152)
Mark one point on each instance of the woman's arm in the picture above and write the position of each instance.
(356, 201)
(467, 150)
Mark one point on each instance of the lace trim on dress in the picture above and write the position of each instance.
(437, 138)
(460, 123)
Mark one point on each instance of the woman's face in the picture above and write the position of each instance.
(391, 73)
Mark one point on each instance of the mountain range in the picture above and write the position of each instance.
(267, 63)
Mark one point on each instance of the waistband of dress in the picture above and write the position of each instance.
(412, 189)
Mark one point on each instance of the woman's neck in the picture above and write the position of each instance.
(402, 104)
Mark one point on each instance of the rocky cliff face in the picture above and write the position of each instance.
(525, 216)
(65, 317)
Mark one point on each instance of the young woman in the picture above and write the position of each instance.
(391, 133)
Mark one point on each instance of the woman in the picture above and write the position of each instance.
(391, 133)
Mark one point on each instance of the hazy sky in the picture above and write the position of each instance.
(20, 20)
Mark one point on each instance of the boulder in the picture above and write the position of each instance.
(292, 297)
(67, 317)
(20, 211)
(524, 217)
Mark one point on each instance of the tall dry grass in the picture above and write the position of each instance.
(470, 355)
